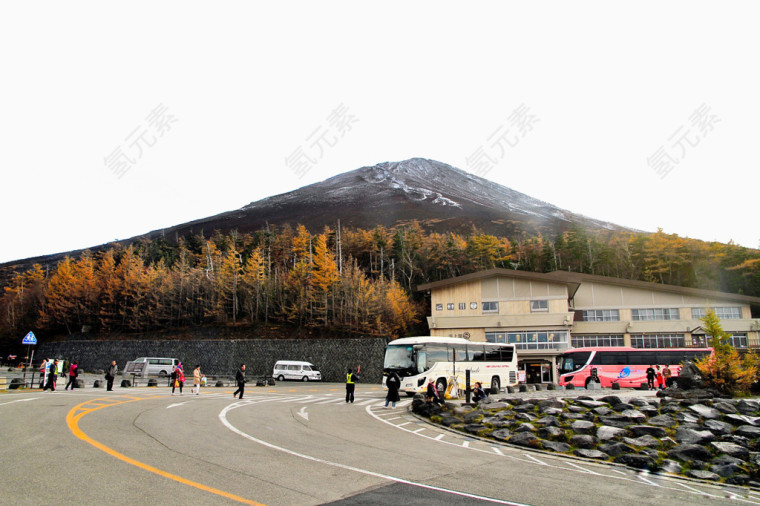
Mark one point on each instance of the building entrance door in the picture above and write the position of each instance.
(533, 373)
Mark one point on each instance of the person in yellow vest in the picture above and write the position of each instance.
(350, 385)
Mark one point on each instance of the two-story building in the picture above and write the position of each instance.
(545, 314)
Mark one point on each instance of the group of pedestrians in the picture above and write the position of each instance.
(659, 378)
(178, 379)
(71, 371)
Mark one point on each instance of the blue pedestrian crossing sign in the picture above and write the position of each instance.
(30, 338)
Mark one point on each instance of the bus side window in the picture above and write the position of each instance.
(458, 354)
(507, 353)
(476, 353)
(422, 361)
(493, 355)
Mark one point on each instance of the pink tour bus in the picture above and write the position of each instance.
(622, 365)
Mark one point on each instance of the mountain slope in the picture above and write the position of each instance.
(441, 197)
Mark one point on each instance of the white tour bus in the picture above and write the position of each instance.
(445, 360)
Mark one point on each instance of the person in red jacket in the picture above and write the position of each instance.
(73, 374)
(179, 379)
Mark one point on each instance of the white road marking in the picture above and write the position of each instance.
(303, 414)
(583, 469)
(176, 404)
(466, 444)
(540, 462)
(688, 487)
(226, 423)
(418, 430)
(20, 400)
(648, 481)
(496, 450)
(439, 437)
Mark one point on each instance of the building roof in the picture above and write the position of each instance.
(574, 279)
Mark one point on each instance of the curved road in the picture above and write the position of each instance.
(289, 444)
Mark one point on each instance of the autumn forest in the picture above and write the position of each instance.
(352, 281)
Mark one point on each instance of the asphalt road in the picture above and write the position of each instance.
(293, 443)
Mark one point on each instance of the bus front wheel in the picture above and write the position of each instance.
(495, 385)
(440, 385)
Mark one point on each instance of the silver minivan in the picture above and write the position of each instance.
(296, 370)
(160, 366)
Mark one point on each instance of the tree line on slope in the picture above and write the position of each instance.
(339, 279)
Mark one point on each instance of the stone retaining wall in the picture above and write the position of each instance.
(222, 358)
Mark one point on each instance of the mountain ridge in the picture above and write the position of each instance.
(441, 197)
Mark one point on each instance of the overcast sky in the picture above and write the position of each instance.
(120, 120)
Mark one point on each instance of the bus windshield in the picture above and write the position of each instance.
(399, 357)
(573, 361)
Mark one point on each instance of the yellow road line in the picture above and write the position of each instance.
(85, 408)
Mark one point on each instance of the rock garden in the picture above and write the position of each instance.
(694, 433)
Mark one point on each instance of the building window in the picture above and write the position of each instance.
(738, 340)
(658, 341)
(450, 306)
(490, 307)
(462, 306)
(439, 307)
(601, 315)
(585, 341)
(724, 313)
(655, 314)
(532, 340)
(539, 305)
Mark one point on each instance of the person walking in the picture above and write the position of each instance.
(52, 376)
(111, 375)
(240, 380)
(393, 383)
(179, 378)
(650, 377)
(43, 368)
(350, 385)
(73, 374)
(668, 375)
(197, 379)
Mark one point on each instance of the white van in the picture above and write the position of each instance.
(161, 366)
(295, 370)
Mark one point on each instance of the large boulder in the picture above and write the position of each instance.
(641, 430)
(607, 432)
(690, 377)
(748, 406)
(582, 427)
(636, 461)
(583, 441)
(501, 434)
(615, 449)
(705, 412)
(548, 421)
(616, 421)
(717, 427)
(610, 399)
(590, 403)
(590, 454)
(663, 421)
(691, 436)
(731, 449)
(526, 439)
(645, 441)
(550, 432)
(525, 427)
(725, 407)
(634, 415)
(556, 446)
(703, 475)
(748, 431)
(687, 452)
(474, 428)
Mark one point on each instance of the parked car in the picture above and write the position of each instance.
(296, 370)
(160, 366)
